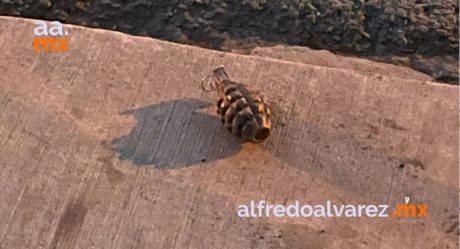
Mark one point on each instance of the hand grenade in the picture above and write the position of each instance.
(242, 111)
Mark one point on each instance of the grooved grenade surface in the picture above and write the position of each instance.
(243, 112)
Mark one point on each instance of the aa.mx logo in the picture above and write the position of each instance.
(410, 210)
(50, 39)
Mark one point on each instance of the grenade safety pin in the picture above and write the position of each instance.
(242, 111)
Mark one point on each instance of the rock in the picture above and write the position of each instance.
(6, 5)
(116, 4)
(209, 15)
(182, 6)
(43, 4)
(219, 11)
(292, 12)
(442, 68)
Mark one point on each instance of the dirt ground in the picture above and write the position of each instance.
(113, 144)
(419, 34)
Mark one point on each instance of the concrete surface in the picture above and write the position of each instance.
(325, 58)
(101, 148)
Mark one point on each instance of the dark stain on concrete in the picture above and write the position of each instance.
(77, 113)
(69, 225)
(412, 162)
(392, 124)
(113, 175)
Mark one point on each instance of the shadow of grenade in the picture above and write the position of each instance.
(242, 110)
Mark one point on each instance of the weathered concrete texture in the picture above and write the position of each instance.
(327, 59)
(106, 147)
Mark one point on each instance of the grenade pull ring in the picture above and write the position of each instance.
(206, 83)
(209, 82)
(242, 111)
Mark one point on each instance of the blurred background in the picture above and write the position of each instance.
(421, 34)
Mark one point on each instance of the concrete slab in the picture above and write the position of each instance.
(328, 59)
(114, 145)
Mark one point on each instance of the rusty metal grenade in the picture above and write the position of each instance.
(242, 111)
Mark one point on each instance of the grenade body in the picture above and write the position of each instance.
(243, 112)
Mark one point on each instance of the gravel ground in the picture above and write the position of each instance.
(422, 34)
